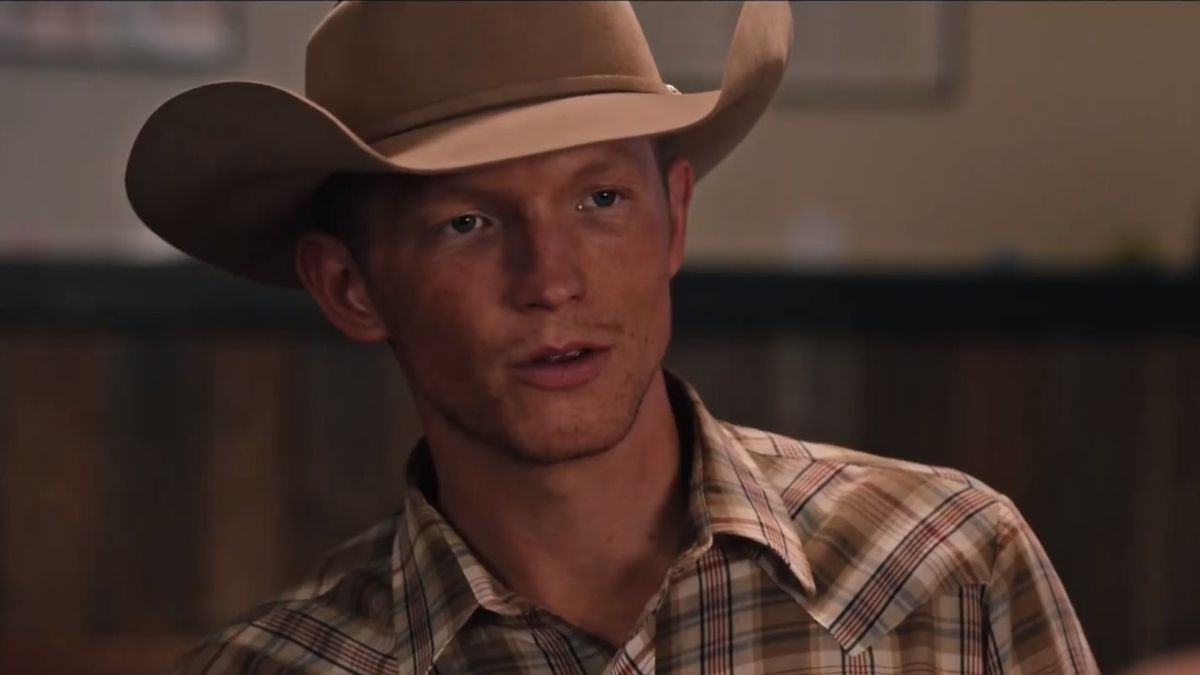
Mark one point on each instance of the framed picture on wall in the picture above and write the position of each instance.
(867, 54)
(193, 35)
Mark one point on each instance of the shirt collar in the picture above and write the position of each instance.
(730, 496)
(438, 583)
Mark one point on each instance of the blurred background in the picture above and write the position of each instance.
(965, 234)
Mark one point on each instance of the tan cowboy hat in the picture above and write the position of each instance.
(226, 171)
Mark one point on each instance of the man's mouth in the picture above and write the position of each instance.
(572, 351)
(564, 367)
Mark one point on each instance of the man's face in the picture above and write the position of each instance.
(528, 303)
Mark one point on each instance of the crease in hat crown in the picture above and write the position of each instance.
(363, 60)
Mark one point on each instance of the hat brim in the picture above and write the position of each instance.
(225, 172)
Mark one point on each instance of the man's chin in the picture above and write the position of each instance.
(560, 445)
(550, 427)
(561, 428)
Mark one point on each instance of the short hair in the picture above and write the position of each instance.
(344, 203)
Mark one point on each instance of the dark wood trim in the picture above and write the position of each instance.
(727, 301)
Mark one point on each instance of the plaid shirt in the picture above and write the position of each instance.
(809, 559)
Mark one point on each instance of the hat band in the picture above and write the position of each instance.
(507, 96)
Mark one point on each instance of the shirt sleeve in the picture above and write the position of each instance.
(1032, 626)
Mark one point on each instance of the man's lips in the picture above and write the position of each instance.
(569, 366)
(549, 354)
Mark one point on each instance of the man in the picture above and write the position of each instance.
(501, 192)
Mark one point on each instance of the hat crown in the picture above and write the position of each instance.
(388, 67)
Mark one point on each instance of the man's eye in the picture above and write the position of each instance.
(601, 199)
(463, 224)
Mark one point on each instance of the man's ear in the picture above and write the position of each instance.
(339, 286)
(680, 180)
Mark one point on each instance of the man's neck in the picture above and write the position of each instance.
(591, 539)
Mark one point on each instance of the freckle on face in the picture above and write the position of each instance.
(457, 330)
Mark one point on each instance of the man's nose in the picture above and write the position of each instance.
(545, 259)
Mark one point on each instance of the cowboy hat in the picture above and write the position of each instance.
(226, 171)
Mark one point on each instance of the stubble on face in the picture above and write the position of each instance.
(549, 432)
(467, 384)
(458, 331)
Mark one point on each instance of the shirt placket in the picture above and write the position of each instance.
(553, 638)
(637, 655)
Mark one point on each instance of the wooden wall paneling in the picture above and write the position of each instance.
(52, 452)
(157, 399)
(997, 413)
(349, 469)
(907, 387)
(246, 532)
(185, 478)
(1180, 566)
(1095, 440)
(112, 655)
(1152, 494)
(732, 374)
(816, 388)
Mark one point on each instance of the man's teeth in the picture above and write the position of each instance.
(569, 355)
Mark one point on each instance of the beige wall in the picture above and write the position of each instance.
(65, 134)
(1077, 125)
